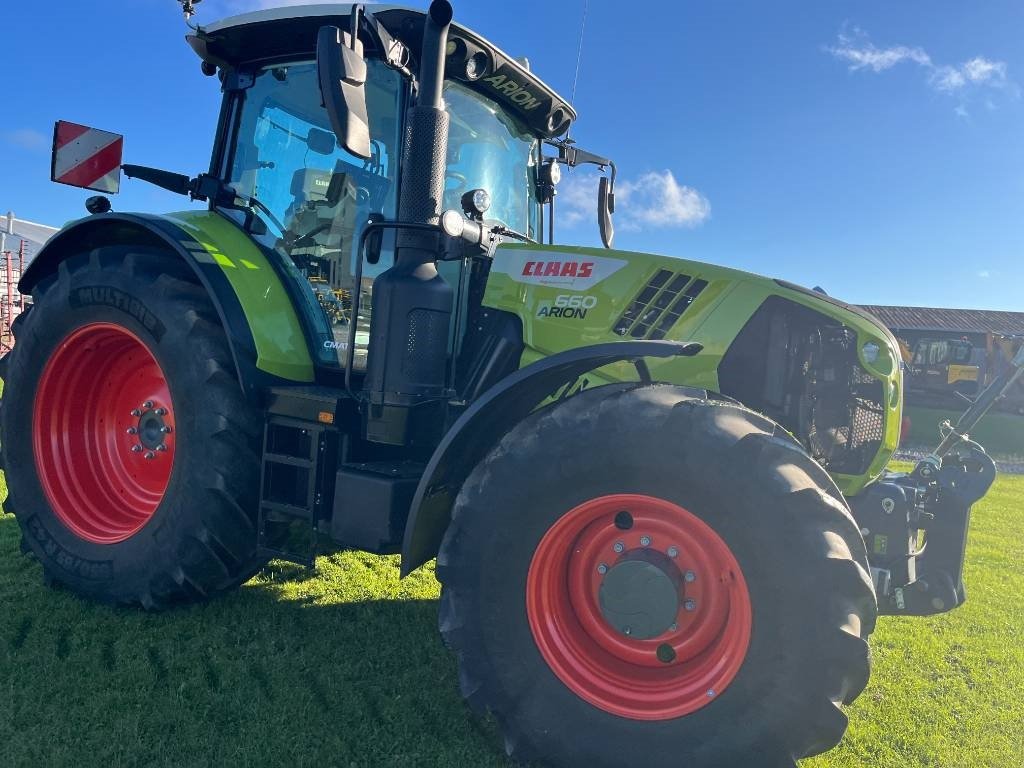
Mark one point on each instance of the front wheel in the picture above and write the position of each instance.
(640, 576)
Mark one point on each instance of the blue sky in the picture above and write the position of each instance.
(872, 148)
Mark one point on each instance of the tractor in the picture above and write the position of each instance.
(655, 489)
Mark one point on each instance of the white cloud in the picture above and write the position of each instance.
(985, 274)
(948, 79)
(654, 200)
(979, 72)
(576, 200)
(27, 138)
(861, 53)
(976, 71)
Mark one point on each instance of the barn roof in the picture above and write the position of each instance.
(952, 320)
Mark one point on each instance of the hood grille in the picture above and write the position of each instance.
(659, 305)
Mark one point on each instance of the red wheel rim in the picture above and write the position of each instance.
(668, 674)
(103, 433)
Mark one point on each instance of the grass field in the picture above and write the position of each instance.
(345, 668)
(1001, 433)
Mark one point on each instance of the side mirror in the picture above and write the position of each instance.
(605, 209)
(342, 72)
(321, 142)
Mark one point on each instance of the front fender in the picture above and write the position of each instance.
(254, 308)
(490, 417)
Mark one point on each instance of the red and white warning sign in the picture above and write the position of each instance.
(85, 157)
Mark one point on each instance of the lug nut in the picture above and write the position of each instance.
(645, 541)
(690, 605)
(673, 551)
(711, 693)
(690, 577)
(161, 411)
(132, 431)
(165, 430)
(136, 449)
(148, 404)
(619, 547)
(150, 455)
(136, 412)
(161, 447)
(602, 569)
(673, 627)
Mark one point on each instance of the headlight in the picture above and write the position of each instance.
(476, 65)
(870, 352)
(552, 172)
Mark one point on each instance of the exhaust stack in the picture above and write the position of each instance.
(411, 301)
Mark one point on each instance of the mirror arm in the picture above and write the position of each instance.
(394, 52)
(178, 183)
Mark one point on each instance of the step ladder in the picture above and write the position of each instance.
(297, 476)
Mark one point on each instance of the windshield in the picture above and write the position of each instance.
(287, 158)
(488, 149)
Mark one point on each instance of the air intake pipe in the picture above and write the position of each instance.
(412, 303)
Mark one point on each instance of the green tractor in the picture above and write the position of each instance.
(655, 489)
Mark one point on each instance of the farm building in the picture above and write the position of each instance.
(950, 351)
(19, 241)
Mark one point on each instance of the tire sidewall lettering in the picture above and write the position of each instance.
(108, 296)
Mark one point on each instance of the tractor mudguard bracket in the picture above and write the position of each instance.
(492, 415)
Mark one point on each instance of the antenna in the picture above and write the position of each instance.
(579, 59)
(188, 7)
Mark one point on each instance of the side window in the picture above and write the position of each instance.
(962, 353)
(939, 353)
(316, 194)
(921, 353)
(488, 149)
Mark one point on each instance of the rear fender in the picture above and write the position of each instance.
(491, 416)
(261, 323)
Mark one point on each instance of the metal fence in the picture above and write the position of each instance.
(12, 303)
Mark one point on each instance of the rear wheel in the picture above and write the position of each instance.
(641, 576)
(130, 452)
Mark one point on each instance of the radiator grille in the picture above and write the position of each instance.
(847, 427)
(659, 305)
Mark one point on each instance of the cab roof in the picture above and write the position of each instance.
(272, 34)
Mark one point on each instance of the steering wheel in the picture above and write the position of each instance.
(460, 178)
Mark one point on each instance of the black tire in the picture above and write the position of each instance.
(792, 534)
(201, 538)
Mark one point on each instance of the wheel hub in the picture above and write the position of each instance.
(152, 429)
(641, 599)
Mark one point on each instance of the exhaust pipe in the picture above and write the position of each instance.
(426, 137)
(435, 41)
(412, 304)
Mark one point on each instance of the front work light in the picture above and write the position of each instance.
(476, 203)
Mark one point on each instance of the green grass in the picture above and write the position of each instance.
(345, 668)
(1001, 433)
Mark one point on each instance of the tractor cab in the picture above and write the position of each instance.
(276, 146)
